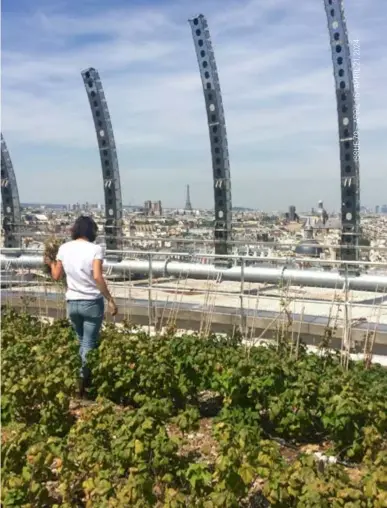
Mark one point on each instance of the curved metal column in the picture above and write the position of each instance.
(348, 136)
(10, 199)
(217, 130)
(109, 160)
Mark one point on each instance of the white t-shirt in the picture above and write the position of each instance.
(77, 259)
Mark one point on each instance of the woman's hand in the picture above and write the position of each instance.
(56, 268)
(47, 261)
(112, 307)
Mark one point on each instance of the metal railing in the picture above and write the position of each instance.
(275, 244)
(161, 292)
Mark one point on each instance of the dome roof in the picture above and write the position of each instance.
(309, 248)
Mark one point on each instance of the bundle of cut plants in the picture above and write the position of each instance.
(51, 247)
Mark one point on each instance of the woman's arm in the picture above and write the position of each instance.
(56, 268)
(102, 286)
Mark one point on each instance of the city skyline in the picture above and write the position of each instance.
(282, 126)
(84, 205)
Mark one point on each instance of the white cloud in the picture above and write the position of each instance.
(275, 71)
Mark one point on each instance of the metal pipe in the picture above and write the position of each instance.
(284, 275)
(265, 259)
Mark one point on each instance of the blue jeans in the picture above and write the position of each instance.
(86, 317)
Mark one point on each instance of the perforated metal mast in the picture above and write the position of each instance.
(10, 200)
(348, 136)
(188, 205)
(217, 130)
(109, 160)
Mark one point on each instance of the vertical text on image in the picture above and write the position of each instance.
(356, 96)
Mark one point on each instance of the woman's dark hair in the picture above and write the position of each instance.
(84, 227)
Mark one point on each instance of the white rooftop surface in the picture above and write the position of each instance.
(381, 359)
(366, 306)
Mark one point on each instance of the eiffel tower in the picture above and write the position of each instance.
(188, 206)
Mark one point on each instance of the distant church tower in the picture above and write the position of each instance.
(308, 230)
(188, 206)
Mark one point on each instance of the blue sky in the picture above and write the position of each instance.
(275, 72)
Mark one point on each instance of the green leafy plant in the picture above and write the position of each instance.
(139, 445)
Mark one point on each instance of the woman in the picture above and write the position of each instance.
(81, 261)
